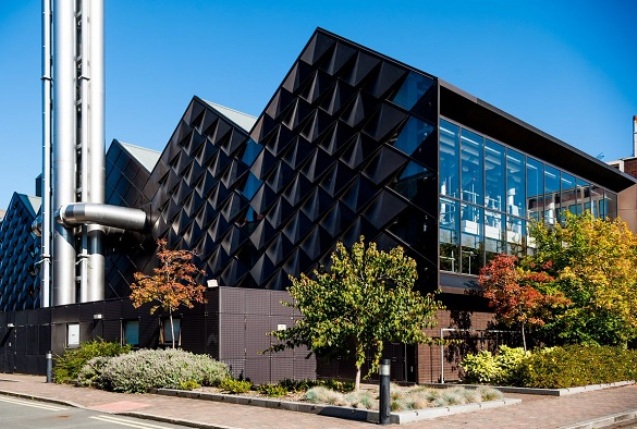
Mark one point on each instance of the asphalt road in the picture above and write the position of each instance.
(18, 413)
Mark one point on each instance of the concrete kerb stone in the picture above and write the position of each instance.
(338, 411)
(540, 391)
(604, 421)
(40, 398)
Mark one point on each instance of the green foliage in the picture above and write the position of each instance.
(67, 366)
(577, 365)
(500, 369)
(143, 370)
(91, 373)
(274, 390)
(304, 385)
(594, 264)
(231, 385)
(365, 299)
(189, 385)
(555, 367)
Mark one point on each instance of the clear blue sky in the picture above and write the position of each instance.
(566, 67)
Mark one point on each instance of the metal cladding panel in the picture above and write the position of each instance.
(193, 328)
(88, 310)
(65, 314)
(32, 317)
(237, 367)
(20, 339)
(232, 300)
(257, 302)
(44, 316)
(274, 323)
(58, 338)
(113, 309)
(304, 368)
(257, 338)
(21, 318)
(32, 333)
(276, 306)
(282, 368)
(232, 336)
(127, 311)
(258, 369)
(44, 339)
(149, 332)
(111, 330)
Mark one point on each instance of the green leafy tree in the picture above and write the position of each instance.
(366, 298)
(171, 285)
(518, 296)
(594, 263)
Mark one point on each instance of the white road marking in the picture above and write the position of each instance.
(124, 422)
(32, 404)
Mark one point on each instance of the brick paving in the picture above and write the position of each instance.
(579, 410)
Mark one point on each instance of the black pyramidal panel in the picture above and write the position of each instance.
(19, 279)
(338, 152)
(347, 146)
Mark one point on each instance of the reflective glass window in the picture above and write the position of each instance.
(608, 207)
(493, 234)
(494, 176)
(171, 331)
(534, 188)
(449, 170)
(596, 204)
(516, 236)
(449, 233)
(412, 183)
(471, 238)
(516, 184)
(131, 332)
(471, 146)
(568, 200)
(583, 196)
(552, 203)
(251, 152)
(414, 132)
(414, 87)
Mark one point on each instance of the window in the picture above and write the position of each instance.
(471, 147)
(166, 337)
(131, 332)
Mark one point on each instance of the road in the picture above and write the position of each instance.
(19, 413)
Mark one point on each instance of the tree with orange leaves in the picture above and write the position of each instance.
(518, 296)
(172, 284)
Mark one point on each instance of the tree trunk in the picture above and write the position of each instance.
(172, 327)
(357, 385)
(523, 338)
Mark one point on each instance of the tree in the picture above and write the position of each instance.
(366, 298)
(594, 263)
(518, 297)
(171, 285)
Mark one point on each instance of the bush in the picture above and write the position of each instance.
(501, 369)
(577, 365)
(144, 370)
(274, 390)
(68, 366)
(230, 385)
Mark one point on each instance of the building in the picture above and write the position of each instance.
(351, 143)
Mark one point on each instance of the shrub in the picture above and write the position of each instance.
(323, 395)
(91, 374)
(502, 369)
(231, 385)
(274, 390)
(144, 370)
(578, 365)
(67, 366)
(189, 385)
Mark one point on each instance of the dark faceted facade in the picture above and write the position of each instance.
(352, 143)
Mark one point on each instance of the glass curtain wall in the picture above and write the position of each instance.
(489, 193)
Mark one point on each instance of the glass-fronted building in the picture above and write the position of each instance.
(351, 143)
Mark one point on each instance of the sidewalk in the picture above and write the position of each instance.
(594, 409)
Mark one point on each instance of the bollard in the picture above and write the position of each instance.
(384, 409)
(49, 367)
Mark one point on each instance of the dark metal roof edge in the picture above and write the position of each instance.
(549, 138)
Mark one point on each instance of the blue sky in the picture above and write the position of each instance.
(566, 67)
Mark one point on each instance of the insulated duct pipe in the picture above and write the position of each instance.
(102, 214)
(63, 164)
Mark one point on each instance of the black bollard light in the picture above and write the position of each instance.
(384, 409)
(49, 367)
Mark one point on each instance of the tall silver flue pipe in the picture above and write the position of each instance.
(45, 270)
(96, 170)
(64, 148)
(77, 168)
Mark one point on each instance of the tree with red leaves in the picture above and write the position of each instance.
(171, 285)
(518, 297)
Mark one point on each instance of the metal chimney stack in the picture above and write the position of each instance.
(77, 147)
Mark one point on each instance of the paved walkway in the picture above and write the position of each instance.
(584, 410)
